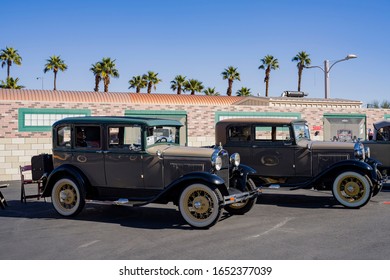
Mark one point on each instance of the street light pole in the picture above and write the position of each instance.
(327, 69)
(41, 79)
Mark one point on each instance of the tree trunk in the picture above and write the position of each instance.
(97, 81)
(55, 80)
(179, 90)
(149, 87)
(299, 77)
(266, 80)
(229, 89)
(9, 63)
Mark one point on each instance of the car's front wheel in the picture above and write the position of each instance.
(352, 189)
(377, 187)
(243, 207)
(199, 205)
(68, 197)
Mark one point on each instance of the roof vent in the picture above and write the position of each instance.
(289, 93)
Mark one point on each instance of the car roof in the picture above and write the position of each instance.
(118, 120)
(381, 124)
(260, 120)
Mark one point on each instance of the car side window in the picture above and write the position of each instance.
(239, 133)
(272, 133)
(63, 137)
(88, 137)
(124, 138)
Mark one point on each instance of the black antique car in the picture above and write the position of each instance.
(283, 154)
(138, 161)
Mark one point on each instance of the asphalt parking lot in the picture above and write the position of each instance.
(283, 225)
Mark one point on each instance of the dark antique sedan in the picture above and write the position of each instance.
(283, 155)
(138, 161)
(380, 145)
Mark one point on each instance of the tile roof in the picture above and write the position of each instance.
(114, 97)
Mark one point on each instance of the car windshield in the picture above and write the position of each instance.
(301, 131)
(162, 135)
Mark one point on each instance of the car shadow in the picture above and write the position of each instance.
(294, 200)
(147, 217)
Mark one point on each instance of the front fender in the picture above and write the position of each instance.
(352, 165)
(245, 170)
(240, 176)
(60, 172)
(173, 190)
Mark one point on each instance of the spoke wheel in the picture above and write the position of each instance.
(67, 197)
(352, 189)
(245, 206)
(199, 205)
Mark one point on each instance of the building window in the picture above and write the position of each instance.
(36, 120)
(230, 115)
(344, 128)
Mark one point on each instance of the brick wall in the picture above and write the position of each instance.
(17, 148)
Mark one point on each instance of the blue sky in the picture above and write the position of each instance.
(199, 39)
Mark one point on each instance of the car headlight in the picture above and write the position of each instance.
(235, 159)
(217, 163)
(359, 151)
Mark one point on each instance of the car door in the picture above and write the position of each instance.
(87, 153)
(123, 158)
(272, 150)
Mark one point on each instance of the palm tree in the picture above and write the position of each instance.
(193, 86)
(268, 63)
(97, 72)
(11, 83)
(211, 91)
(230, 74)
(375, 104)
(55, 63)
(244, 91)
(9, 56)
(303, 60)
(138, 83)
(152, 80)
(108, 70)
(178, 84)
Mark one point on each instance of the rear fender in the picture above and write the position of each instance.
(64, 170)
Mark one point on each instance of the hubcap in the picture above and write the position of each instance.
(67, 196)
(351, 188)
(199, 204)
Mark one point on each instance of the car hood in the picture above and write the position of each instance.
(180, 151)
(327, 145)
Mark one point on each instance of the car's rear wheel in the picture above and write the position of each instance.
(245, 206)
(68, 197)
(352, 189)
(199, 205)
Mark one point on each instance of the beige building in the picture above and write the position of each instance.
(26, 116)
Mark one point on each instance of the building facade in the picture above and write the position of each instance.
(26, 116)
